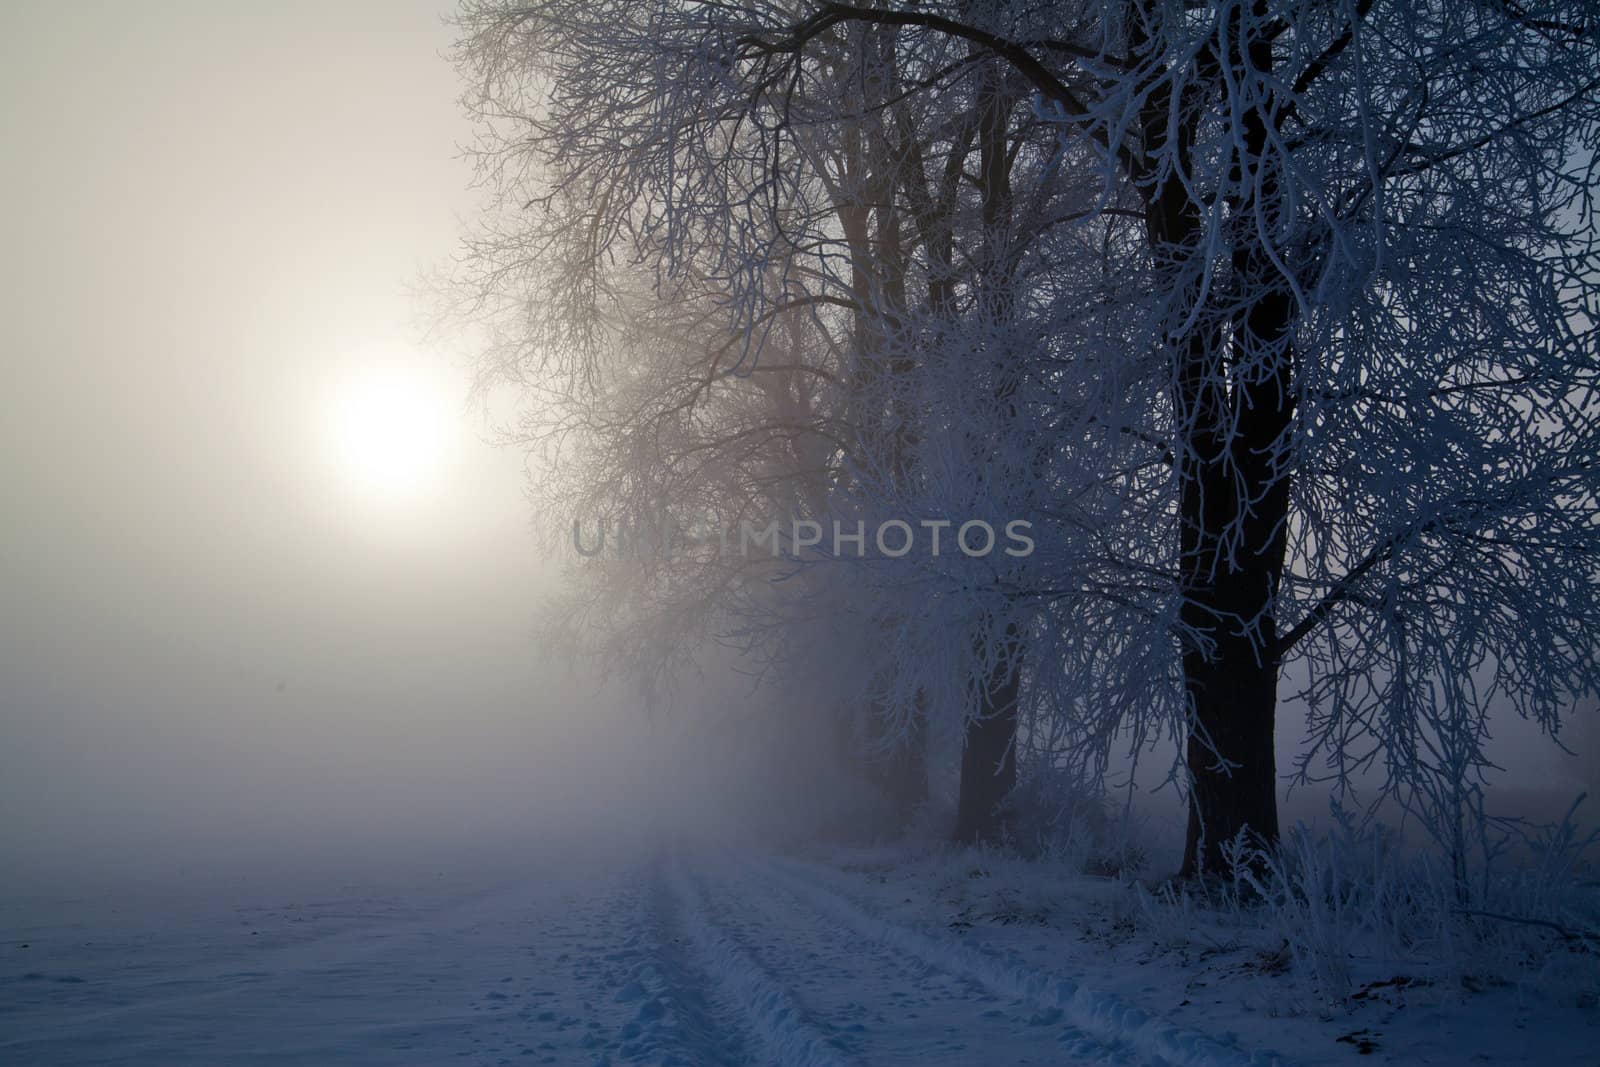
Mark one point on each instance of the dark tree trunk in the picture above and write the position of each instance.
(1233, 405)
(989, 750)
(1229, 593)
(1230, 753)
(1234, 692)
(988, 754)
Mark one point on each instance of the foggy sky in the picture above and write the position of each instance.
(215, 215)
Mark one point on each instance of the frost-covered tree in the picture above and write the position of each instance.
(888, 264)
(1369, 227)
(643, 380)
(1340, 257)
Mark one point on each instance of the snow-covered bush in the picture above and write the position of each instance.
(1352, 903)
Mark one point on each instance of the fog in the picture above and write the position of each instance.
(219, 647)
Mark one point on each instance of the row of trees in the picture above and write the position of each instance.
(1275, 319)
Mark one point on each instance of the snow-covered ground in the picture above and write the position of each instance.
(690, 956)
(1181, 981)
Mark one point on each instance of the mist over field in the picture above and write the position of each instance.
(1258, 341)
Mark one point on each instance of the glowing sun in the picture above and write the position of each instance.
(390, 431)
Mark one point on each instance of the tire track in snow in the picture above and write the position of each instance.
(766, 1010)
(1096, 1013)
(892, 1007)
(655, 1002)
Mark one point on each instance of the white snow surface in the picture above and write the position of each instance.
(676, 956)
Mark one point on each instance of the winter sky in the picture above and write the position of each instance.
(236, 598)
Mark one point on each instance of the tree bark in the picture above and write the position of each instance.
(989, 754)
(1234, 406)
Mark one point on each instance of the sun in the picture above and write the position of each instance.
(390, 431)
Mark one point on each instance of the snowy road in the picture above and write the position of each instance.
(685, 959)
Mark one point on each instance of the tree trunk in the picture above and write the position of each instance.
(1232, 403)
(1231, 555)
(989, 750)
(988, 754)
(1234, 505)
(1230, 753)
